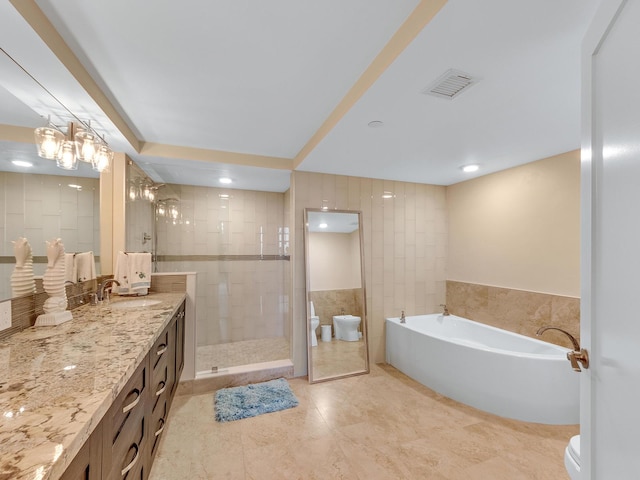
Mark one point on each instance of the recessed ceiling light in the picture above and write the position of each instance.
(225, 180)
(322, 225)
(470, 168)
(73, 185)
(224, 196)
(375, 124)
(387, 195)
(22, 163)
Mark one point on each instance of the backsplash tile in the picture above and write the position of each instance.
(515, 310)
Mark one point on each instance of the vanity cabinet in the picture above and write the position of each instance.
(125, 442)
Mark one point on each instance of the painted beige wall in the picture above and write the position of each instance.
(519, 228)
(333, 262)
(405, 249)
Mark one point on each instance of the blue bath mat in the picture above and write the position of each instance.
(236, 403)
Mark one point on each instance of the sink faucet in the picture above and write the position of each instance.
(403, 319)
(445, 313)
(103, 285)
(578, 355)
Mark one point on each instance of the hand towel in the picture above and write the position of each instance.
(84, 267)
(121, 274)
(139, 272)
(69, 275)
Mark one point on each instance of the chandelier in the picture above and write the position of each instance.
(81, 143)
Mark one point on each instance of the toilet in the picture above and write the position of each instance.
(315, 321)
(346, 327)
(572, 458)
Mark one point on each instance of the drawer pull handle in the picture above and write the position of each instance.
(134, 403)
(133, 462)
(159, 431)
(161, 349)
(162, 389)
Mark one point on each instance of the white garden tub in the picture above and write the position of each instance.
(501, 372)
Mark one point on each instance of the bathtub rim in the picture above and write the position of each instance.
(562, 351)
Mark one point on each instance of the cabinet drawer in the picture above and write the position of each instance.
(158, 423)
(160, 350)
(160, 387)
(125, 429)
(128, 451)
(86, 465)
(130, 401)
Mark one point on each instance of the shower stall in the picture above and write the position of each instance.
(237, 243)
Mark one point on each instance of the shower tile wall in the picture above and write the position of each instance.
(42, 207)
(237, 244)
(405, 248)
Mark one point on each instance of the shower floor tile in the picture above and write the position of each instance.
(241, 353)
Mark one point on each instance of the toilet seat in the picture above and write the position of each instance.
(572, 458)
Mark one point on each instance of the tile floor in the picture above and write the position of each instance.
(241, 353)
(377, 426)
(337, 357)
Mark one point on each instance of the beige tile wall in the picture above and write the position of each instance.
(405, 248)
(516, 310)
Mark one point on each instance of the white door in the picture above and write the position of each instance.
(610, 325)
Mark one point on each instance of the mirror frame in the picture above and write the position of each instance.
(364, 323)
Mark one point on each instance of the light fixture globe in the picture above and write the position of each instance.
(48, 141)
(86, 147)
(101, 161)
(67, 156)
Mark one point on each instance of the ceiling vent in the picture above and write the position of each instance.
(450, 84)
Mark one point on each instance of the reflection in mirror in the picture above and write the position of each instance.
(336, 312)
(43, 202)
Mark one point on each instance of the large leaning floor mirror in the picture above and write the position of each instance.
(336, 304)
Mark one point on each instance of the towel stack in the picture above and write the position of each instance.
(133, 272)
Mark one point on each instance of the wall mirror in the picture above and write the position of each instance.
(42, 202)
(336, 304)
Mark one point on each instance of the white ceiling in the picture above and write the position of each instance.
(261, 78)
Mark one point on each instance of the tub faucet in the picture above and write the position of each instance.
(103, 285)
(403, 319)
(578, 355)
(446, 310)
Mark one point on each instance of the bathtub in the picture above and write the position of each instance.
(488, 368)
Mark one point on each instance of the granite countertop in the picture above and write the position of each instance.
(57, 383)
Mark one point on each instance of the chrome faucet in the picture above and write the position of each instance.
(403, 319)
(103, 285)
(445, 313)
(578, 355)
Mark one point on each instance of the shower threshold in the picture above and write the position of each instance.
(244, 369)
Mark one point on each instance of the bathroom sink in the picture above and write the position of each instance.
(137, 303)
